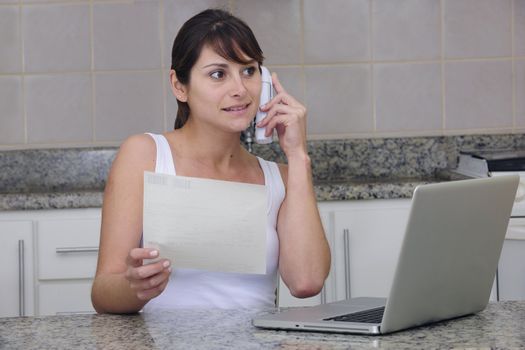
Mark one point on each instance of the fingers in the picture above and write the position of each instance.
(151, 293)
(146, 271)
(148, 281)
(137, 255)
(279, 115)
(277, 84)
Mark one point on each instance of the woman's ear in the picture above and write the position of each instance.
(178, 89)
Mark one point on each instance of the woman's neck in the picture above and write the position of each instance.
(212, 148)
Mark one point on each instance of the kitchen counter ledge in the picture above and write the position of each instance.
(500, 326)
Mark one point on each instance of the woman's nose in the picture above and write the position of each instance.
(238, 87)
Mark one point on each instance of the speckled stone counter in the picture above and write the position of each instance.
(342, 169)
(499, 326)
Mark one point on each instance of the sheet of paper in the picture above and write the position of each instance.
(206, 224)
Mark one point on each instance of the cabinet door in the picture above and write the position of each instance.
(67, 248)
(16, 269)
(65, 297)
(67, 258)
(367, 242)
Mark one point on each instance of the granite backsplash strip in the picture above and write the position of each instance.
(356, 160)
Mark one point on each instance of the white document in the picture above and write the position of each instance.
(206, 224)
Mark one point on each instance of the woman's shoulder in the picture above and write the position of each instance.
(137, 151)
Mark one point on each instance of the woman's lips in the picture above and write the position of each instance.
(239, 109)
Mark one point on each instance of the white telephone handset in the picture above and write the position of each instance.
(266, 96)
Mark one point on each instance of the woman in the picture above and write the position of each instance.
(216, 79)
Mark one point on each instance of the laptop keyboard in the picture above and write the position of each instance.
(367, 316)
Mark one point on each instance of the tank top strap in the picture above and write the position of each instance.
(274, 184)
(164, 160)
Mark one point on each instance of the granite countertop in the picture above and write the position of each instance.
(342, 169)
(500, 326)
(350, 189)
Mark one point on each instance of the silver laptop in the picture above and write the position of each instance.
(446, 266)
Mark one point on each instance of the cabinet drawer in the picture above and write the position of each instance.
(67, 249)
(65, 298)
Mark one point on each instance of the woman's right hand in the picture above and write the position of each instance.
(148, 281)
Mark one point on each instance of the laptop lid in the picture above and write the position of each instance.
(446, 265)
(450, 252)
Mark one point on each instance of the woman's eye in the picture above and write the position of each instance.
(217, 74)
(249, 71)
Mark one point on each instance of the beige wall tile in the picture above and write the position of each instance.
(277, 27)
(11, 116)
(407, 29)
(292, 80)
(176, 12)
(126, 104)
(477, 28)
(519, 27)
(56, 37)
(478, 94)
(408, 97)
(339, 99)
(58, 108)
(519, 70)
(126, 35)
(336, 31)
(10, 54)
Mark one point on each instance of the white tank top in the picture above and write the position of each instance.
(188, 288)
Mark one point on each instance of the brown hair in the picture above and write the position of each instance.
(226, 34)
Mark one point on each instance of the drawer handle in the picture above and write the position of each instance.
(66, 250)
(21, 279)
(346, 243)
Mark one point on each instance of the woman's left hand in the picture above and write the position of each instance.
(288, 116)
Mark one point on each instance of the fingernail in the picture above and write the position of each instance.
(154, 253)
(169, 270)
(166, 263)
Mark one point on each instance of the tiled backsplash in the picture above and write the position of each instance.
(91, 72)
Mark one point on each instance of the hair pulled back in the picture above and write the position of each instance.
(227, 35)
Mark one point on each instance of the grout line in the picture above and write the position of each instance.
(318, 65)
(442, 59)
(513, 52)
(92, 73)
(372, 64)
(66, 2)
(302, 65)
(23, 80)
(162, 64)
(301, 30)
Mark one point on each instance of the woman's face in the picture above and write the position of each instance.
(223, 93)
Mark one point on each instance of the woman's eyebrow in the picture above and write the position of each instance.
(225, 65)
(221, 65)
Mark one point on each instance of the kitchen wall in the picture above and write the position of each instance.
(90, 73)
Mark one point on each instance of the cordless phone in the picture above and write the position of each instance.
(266, 96)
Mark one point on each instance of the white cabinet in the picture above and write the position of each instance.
(16, 269)
(67, 249)
(61, 248)
(511, 269)
(367, 240)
